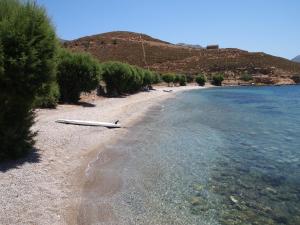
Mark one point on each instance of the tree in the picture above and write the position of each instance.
(76, 73)
(201, 79)
(168, 78)
(177, 78)
(27, 63)
(121, 78)
(148, 78)
(135, 79)
(218, 79)
(182, 80)
(246, 77)
(157, 78)
(189, 78)
(48, 96)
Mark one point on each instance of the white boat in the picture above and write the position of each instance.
(90, 123)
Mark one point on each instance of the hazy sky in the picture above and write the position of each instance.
(271, 26)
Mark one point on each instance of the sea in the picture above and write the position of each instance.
(217, 156)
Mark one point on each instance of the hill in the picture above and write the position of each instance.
(296, 59)
(161, 56)
(61, 40)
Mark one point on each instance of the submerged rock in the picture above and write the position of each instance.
(274, 180)
(281, 219)
(198, 187)
(195, 201)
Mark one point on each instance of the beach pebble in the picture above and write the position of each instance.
(271, 190)
(233, 199)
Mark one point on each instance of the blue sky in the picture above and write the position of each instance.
(271, 26)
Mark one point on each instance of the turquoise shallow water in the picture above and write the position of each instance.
(215, 156)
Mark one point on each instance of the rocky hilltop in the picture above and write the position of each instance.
(189, 45)
(161, 56)
(296, 59)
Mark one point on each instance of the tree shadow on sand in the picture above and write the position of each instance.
(32, 157)
(86, 104)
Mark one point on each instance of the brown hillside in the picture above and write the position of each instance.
(164, 57)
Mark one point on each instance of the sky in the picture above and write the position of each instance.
(271, 26)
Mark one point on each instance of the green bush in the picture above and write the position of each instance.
(201, 79)
(182, 80)
(48, 96)
(122, 78)
(217, 79)
(148, 78)
(135, 79)
(189, 78)
(177, 78)
(27, 63)
(168, 78)
(76, 73)
(157, 78)
(246, 77)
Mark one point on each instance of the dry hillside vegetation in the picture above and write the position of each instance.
(145, 51)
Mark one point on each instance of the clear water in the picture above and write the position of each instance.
(215, 156)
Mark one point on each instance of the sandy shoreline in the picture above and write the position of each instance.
(45, 188)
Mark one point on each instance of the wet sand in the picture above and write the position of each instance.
(47, 186)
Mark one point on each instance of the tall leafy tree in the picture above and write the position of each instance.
(217, 79)
(122, 78)
(201, 79)
(27, 62)
(168, 78)
(76, 73)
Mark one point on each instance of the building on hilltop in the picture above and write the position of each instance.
(212, 47)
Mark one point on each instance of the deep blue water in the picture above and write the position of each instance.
(214, 156)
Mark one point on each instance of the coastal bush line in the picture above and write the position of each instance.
(175, 79)
(79, 72)
(28, 48)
